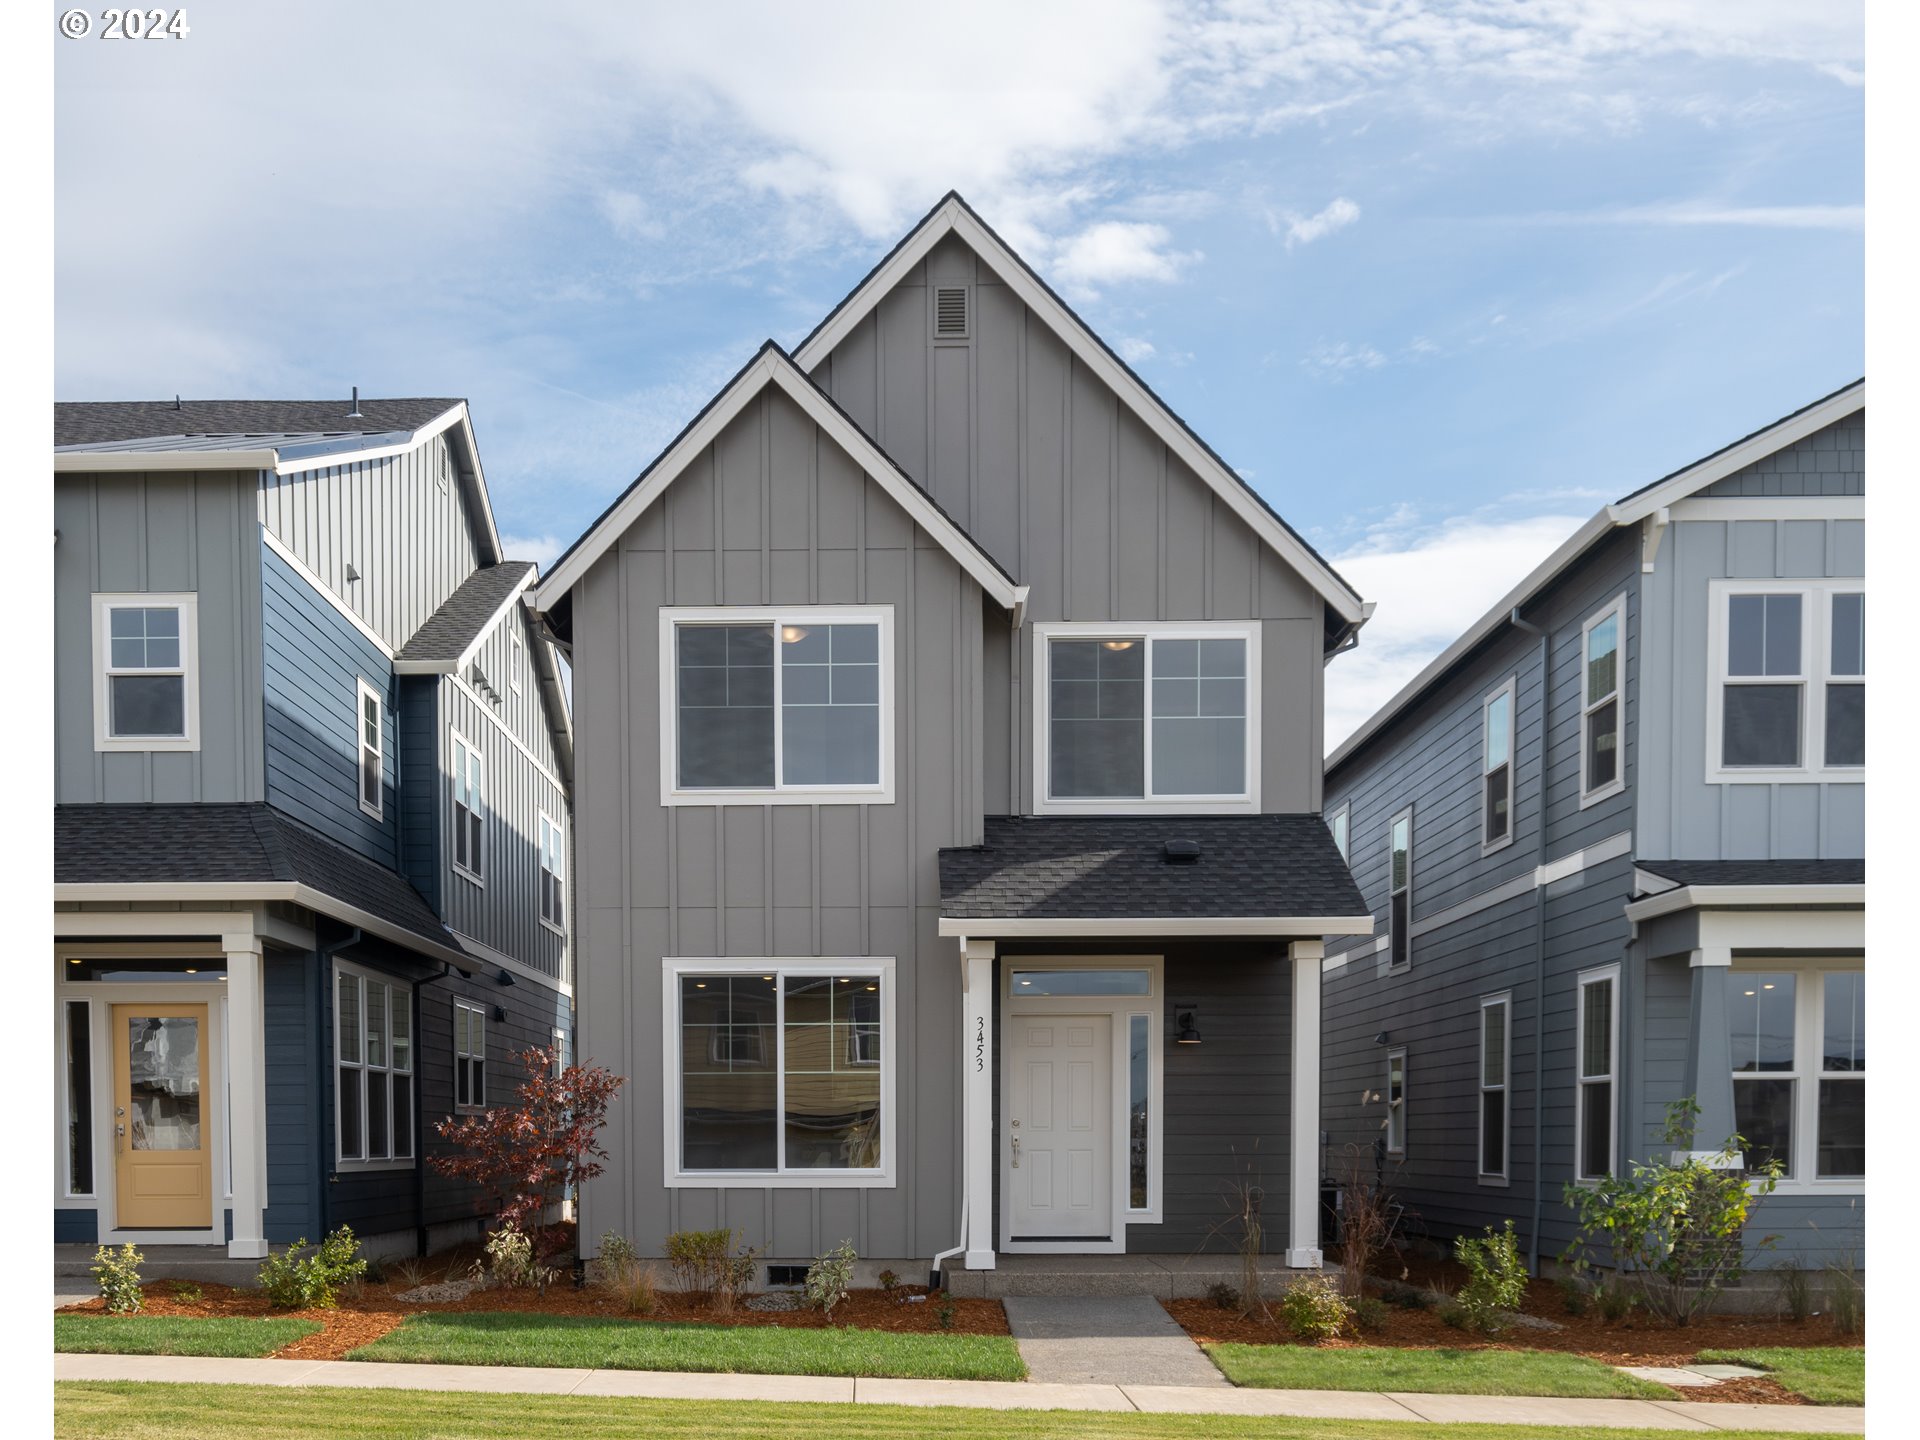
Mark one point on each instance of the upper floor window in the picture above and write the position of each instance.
(516, 660)
(1799, 1044)
(372, 751)
(553, 873)
(373, 1065)
(1337, 827)
(1789, 674)
(1400, 890)
(1496, 769)
(146, 682)
(469, 829)
(1163, 715)
(1601, 649)
(766, 705)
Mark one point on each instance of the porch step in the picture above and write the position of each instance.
(162, 1262)
(1164, 1277)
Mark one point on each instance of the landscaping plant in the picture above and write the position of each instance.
(1796, 1292)
(1370, 1313)
(1314, 1308)
(705, 1268)
(1246, 1232)
(1576, 1295)
(1675, 1228)
(1224, 1295)
(509, 1261)
(117, 1272)
(639, 1292)
(944, 1311)
(528, 1156)
(830, 1277)
(1369, 1224)
(889, 1281)
(617, 1258)
(1496, 1278)
(1846, 1296)
(186, 1292)
(312, 1282)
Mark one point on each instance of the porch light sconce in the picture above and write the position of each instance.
(499, 1014)
(505, 977)
(1188, 1034)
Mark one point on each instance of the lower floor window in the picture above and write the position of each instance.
(469, 1056)
(1396, 1102)
(1798, 1039)
(1599, 1044)
(782, 1068)
(373, 1064)
(1494, 1052)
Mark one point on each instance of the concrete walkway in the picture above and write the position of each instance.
(1106, 1340)
(1698, 1417)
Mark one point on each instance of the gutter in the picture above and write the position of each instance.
(1731, 897)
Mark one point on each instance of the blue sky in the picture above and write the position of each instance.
(1438, 279)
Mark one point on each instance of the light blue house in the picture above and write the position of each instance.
(311, 834)
(1614, 839)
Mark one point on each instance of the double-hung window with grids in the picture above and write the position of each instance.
(1496, 769)
(373, 1065)
(469, 1055)
(1496, 1053)
(1595, 1138)
(1602, 659)
(1788, 682)
(1798, 1039)
(370, 722)
(146, 680)
(553, 873)
(469, 819)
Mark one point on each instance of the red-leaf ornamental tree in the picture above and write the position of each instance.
(525, 1157)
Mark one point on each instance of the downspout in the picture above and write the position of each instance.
(1539, 952)
(939, 1261)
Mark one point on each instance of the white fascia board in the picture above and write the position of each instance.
(1737, 457)
(1570, 550)
(1170, 927)
(772, 367)
(300, 464)
(459, 663)
(1710, 897)
(290, 891)
(953, 217)
(70, 462)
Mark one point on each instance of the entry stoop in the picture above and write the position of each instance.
(1164, 1277)
(163, 1262)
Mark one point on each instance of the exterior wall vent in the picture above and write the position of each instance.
(950, 312)
(779, 1276)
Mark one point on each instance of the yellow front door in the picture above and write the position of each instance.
(163, 1176)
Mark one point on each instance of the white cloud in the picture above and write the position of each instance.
(1430, 583)
(1133, 349)
(1119, 252)
(1329, 361)
(1704, 212)
(1304, 230)
(543, 550)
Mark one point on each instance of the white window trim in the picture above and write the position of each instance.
(884, 1177)
(540, 872)
(1816, 670)
(1616, 607)
(363, 693)
(1809, 1003)
(1612, 1077)
(1396, 1111)
(1405, 965)
(1510, 691)
(1343, 834)
(479, 1012)
(673, 793)
(1246, 803)
(516, 660)
(1503, 1175)
(365, 977)
(188, 604)
(475, 873)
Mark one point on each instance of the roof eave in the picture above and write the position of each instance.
(1723, 897)
(1173, 927)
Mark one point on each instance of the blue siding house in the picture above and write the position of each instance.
(1613, 837)
(313, 805)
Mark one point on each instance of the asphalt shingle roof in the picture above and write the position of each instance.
(454, 626)
(88, 422)
(232, 844)
(1049, 867)
(1759, 872)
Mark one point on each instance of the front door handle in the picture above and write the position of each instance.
(1016, 1152)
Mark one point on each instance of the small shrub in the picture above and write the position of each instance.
(617, 1258)
(313, 1282)
(1370, 1314)
(1796, 1292)
(889, 1281)
(117, 1272)
(1613, 1300)
(376, 1271)
(186, 1292)
(830, 1277)
(409, 1274)
(1453, 1313)
(509, 1263)
(697, 1258)
(1224, 1295)
(1846, 1297)
(1407, 1297)
(1497, 1278)
(1314, 1308)
(944, 1311)
(639, 1292)
(1576, 1297)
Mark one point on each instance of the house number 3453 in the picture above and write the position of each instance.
(979, 1042)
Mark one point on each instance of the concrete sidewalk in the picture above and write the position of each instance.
(1679, 1415)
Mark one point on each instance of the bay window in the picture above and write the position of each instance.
(373, 1065)
(1787, 680)
(1798, 1042)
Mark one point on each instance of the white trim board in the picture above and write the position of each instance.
(299, 567)
(772, 366)
(954, 217)
(1709, 897)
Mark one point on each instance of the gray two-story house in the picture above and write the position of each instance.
(1614, 837)
(311, 833)
(949, 735)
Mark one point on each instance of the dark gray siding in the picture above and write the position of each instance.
(1832, 461)
(163, 532)
(419, 730)
(315, 659)
(294, 1166)
(76, 1227)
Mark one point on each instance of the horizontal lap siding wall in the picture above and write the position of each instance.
(774, 513)
(294, 1115)
(1043, 465)
(166, 532)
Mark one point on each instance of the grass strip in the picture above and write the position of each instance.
(175, 1335)
(1433, 1372)
(1825, 1374)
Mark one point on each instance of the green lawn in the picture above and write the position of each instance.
(1826, 1375)
(171, 1335)
(125, 1411)
(1433, 1372)
(498, 1338)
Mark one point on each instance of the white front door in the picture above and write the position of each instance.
(1057, 1142)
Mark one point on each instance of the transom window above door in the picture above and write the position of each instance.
(787, 705)
(1161, 715)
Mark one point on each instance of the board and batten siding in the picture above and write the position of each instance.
(399, 522)
(522, 712)
(315, 661)
(1682, 816)
(1057, 479)
(773, 512)
(165, 532)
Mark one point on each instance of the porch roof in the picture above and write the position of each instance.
(1242, 874)
(1758, 872)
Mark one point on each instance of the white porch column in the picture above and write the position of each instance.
(247, 1096)
(976, 1090)
(1303, 1209)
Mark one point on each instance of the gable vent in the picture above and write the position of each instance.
(950, 312)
